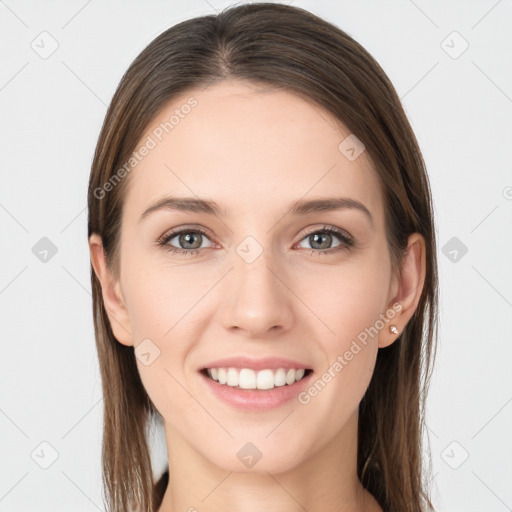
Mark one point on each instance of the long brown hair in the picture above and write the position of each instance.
(289, 48)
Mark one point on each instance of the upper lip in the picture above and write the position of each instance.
(255, 364)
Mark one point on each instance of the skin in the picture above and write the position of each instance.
(272, 148)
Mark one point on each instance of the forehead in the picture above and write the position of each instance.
(251, 149)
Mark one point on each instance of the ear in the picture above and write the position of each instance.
(111, 292)
(406, 289)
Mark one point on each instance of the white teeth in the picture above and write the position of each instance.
(280, 377)
(246, 378)
(265, 379)
(222, 375)
(232, 377)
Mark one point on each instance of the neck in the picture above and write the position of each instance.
(325, 480)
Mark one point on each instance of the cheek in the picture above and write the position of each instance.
(347, 302)
(337, 389)
(164, 307)
(343, 302)
(162, 300)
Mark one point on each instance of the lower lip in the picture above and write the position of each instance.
(252, 399)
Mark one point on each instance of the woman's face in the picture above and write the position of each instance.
(260, 281)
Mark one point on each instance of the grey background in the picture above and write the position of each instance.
(459, 102)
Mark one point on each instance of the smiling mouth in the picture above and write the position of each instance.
(248, 379)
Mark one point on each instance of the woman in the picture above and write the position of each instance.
(264, 272)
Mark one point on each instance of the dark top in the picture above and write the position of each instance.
(160, 487)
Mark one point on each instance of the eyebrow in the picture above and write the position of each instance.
(300, 207)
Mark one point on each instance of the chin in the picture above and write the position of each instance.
(254, 458)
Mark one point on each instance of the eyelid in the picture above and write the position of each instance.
(176, 231)
(327, 227)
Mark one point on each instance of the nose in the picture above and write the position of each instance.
(256, 299)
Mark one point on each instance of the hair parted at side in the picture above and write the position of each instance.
(290, 48)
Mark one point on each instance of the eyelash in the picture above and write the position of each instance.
(346, 241)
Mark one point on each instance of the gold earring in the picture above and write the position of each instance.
(393, 329)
